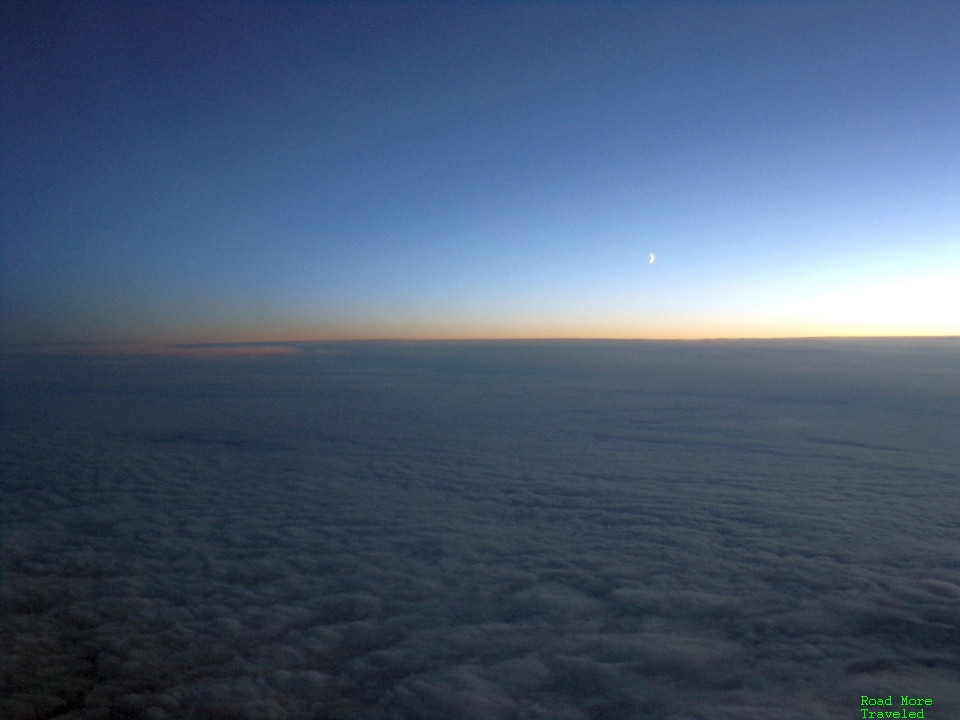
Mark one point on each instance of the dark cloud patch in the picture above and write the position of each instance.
(595, 530)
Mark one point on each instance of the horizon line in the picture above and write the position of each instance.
(84, 347)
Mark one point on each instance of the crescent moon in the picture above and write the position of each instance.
(651, 258)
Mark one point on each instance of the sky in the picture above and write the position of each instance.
(183, 172)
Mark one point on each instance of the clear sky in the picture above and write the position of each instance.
(259, 171)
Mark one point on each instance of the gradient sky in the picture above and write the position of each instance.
(261, 171)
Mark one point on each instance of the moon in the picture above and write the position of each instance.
(651, 258)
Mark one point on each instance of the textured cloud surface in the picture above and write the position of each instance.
(557, 530)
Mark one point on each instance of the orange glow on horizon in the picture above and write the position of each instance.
(289, 340)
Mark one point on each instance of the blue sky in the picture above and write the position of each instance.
(228, 172)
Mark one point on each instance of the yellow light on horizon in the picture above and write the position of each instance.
(920, 305)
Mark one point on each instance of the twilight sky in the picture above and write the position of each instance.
(260, 171)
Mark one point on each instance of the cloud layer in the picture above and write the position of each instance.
(545, 530)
